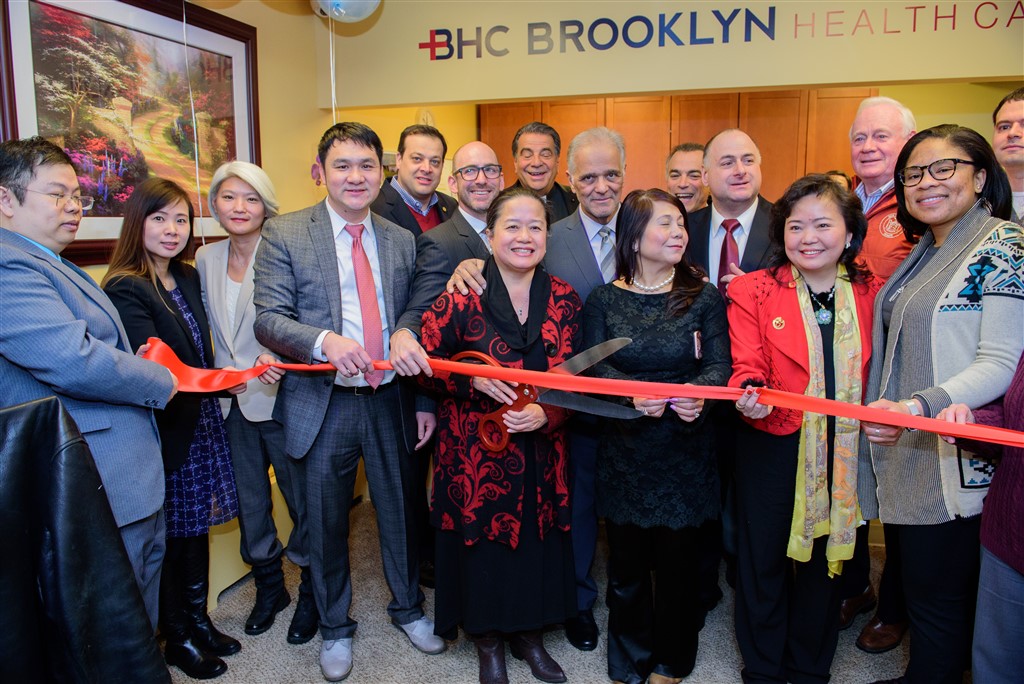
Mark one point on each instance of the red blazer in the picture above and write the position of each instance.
(769, 343)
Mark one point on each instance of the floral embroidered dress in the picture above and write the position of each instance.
(503, 556)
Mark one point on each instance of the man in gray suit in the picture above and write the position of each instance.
(61, 336)
(581, 251)
(332, 282)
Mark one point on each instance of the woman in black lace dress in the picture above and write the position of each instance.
(657, 478)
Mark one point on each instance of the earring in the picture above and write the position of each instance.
(636, 246)
(847, 244)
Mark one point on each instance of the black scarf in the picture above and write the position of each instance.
(499, 312)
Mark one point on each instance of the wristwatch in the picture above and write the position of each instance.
(912, 407)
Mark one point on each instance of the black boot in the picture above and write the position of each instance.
(271, 597)
(197, 587)
(180, 649)
(306, 619)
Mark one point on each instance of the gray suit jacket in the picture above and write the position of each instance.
(234, 346)
(298, 295)
(61, 336)
(570, 256)
(438, 252)
(755, 254)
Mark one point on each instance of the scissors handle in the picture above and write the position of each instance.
(492, 429)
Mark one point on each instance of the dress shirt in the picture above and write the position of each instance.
(477, 225)
(871, 200)
(42, 247)
(411, 201)
(351, 312)
(592, 227)
(740, 233)
(231, 290)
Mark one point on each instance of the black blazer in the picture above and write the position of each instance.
(562, 201)
(149, 311)
(758, 250)
(391, 206)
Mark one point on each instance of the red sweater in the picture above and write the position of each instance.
(885, 245)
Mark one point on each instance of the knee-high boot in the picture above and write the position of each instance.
(181, 649)
(196, 585)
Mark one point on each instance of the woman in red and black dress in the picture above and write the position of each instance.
(503, 552)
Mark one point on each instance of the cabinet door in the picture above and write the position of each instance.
(643, 123)
(570, 117)
(498, 125)
(830, 113)
(777, 121)
(695, 118)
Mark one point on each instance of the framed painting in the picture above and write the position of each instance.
(130, 89)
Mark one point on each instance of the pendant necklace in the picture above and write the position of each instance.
(653, 288)
(821, 311)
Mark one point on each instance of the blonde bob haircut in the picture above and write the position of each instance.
(251, 174)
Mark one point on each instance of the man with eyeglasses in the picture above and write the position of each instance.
(410, 198)
(1008, 143)
(61, 336)
(535, 148)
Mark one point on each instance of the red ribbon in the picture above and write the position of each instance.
(216, 380)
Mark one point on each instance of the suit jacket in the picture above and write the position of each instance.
(769, 342)
(234, 345)
(298, 295)
(755, 254)
(570, 256)
(391, 206)
(149, 311)
(562, 200)
(438, 252)
(61, 336)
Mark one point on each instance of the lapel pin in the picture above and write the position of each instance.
(779, 323)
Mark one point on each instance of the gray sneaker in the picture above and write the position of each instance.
(421, 634)
(336, 659)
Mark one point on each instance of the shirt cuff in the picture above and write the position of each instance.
(318, 353)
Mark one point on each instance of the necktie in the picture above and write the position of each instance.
(373, 338)
(730, 251)
(607, 254)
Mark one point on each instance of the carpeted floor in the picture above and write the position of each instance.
(383, 655)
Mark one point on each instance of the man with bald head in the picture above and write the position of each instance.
(880, 129)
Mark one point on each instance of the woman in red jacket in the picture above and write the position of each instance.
(801, 325)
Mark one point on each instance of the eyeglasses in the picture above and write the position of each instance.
(470, 173)
(84, 201)
(939, 170)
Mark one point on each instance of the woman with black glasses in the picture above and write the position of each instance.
(948, 328)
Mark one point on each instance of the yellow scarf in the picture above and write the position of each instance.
(813, 516)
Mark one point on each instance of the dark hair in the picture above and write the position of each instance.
(19, 160)
(509, 194)
(537, 128)
(130, 257)
(422, 129)
(1013, 96)
(843, 175)
(686, 147)
(634, 215)
(996, 191)
(346, 131)
(852, 211)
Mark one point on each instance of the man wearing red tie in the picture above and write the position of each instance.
(332, 284)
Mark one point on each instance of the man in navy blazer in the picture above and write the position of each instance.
(410, 198)
(61, 336)
(323, 275)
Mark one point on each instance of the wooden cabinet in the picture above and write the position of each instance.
(798, 131)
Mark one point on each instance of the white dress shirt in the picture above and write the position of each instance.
(741, 234)
(592, 227)
(477, 225)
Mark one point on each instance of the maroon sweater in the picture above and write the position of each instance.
(1002, 518)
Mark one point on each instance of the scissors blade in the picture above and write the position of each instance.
(585, 404)
(574, 365)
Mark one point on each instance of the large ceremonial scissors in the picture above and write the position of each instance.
(492, 429)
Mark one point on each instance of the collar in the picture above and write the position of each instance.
(592, 226)
(474, 223)
(338, 223)
(42, 247)
(746, 219)
(412, 201)
(862, 191)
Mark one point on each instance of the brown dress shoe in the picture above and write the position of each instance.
(878, 637)
(490, 649)
(855, 605)
(529, 646)
(656, 678)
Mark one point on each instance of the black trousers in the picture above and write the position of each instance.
(787, 612)
(940, 579)
(856, 576)
(654, 614)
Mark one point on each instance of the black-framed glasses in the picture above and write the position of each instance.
(84, 201)
(941, 169)
(470, 173)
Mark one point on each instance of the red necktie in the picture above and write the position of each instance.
(373, 338)
(730, 252)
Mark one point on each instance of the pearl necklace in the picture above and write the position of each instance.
(653, 288)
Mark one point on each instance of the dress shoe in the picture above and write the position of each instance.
(896, 680)
(336, 659)
(427, 574)
(190, 659)
(855, 605)
(271, 597)
(656, 678)
(879, 637)
(529, 647)
(490, 649)
(421, 634)
(306, 619)
(581, 631)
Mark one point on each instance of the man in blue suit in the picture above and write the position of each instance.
(60, 336)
